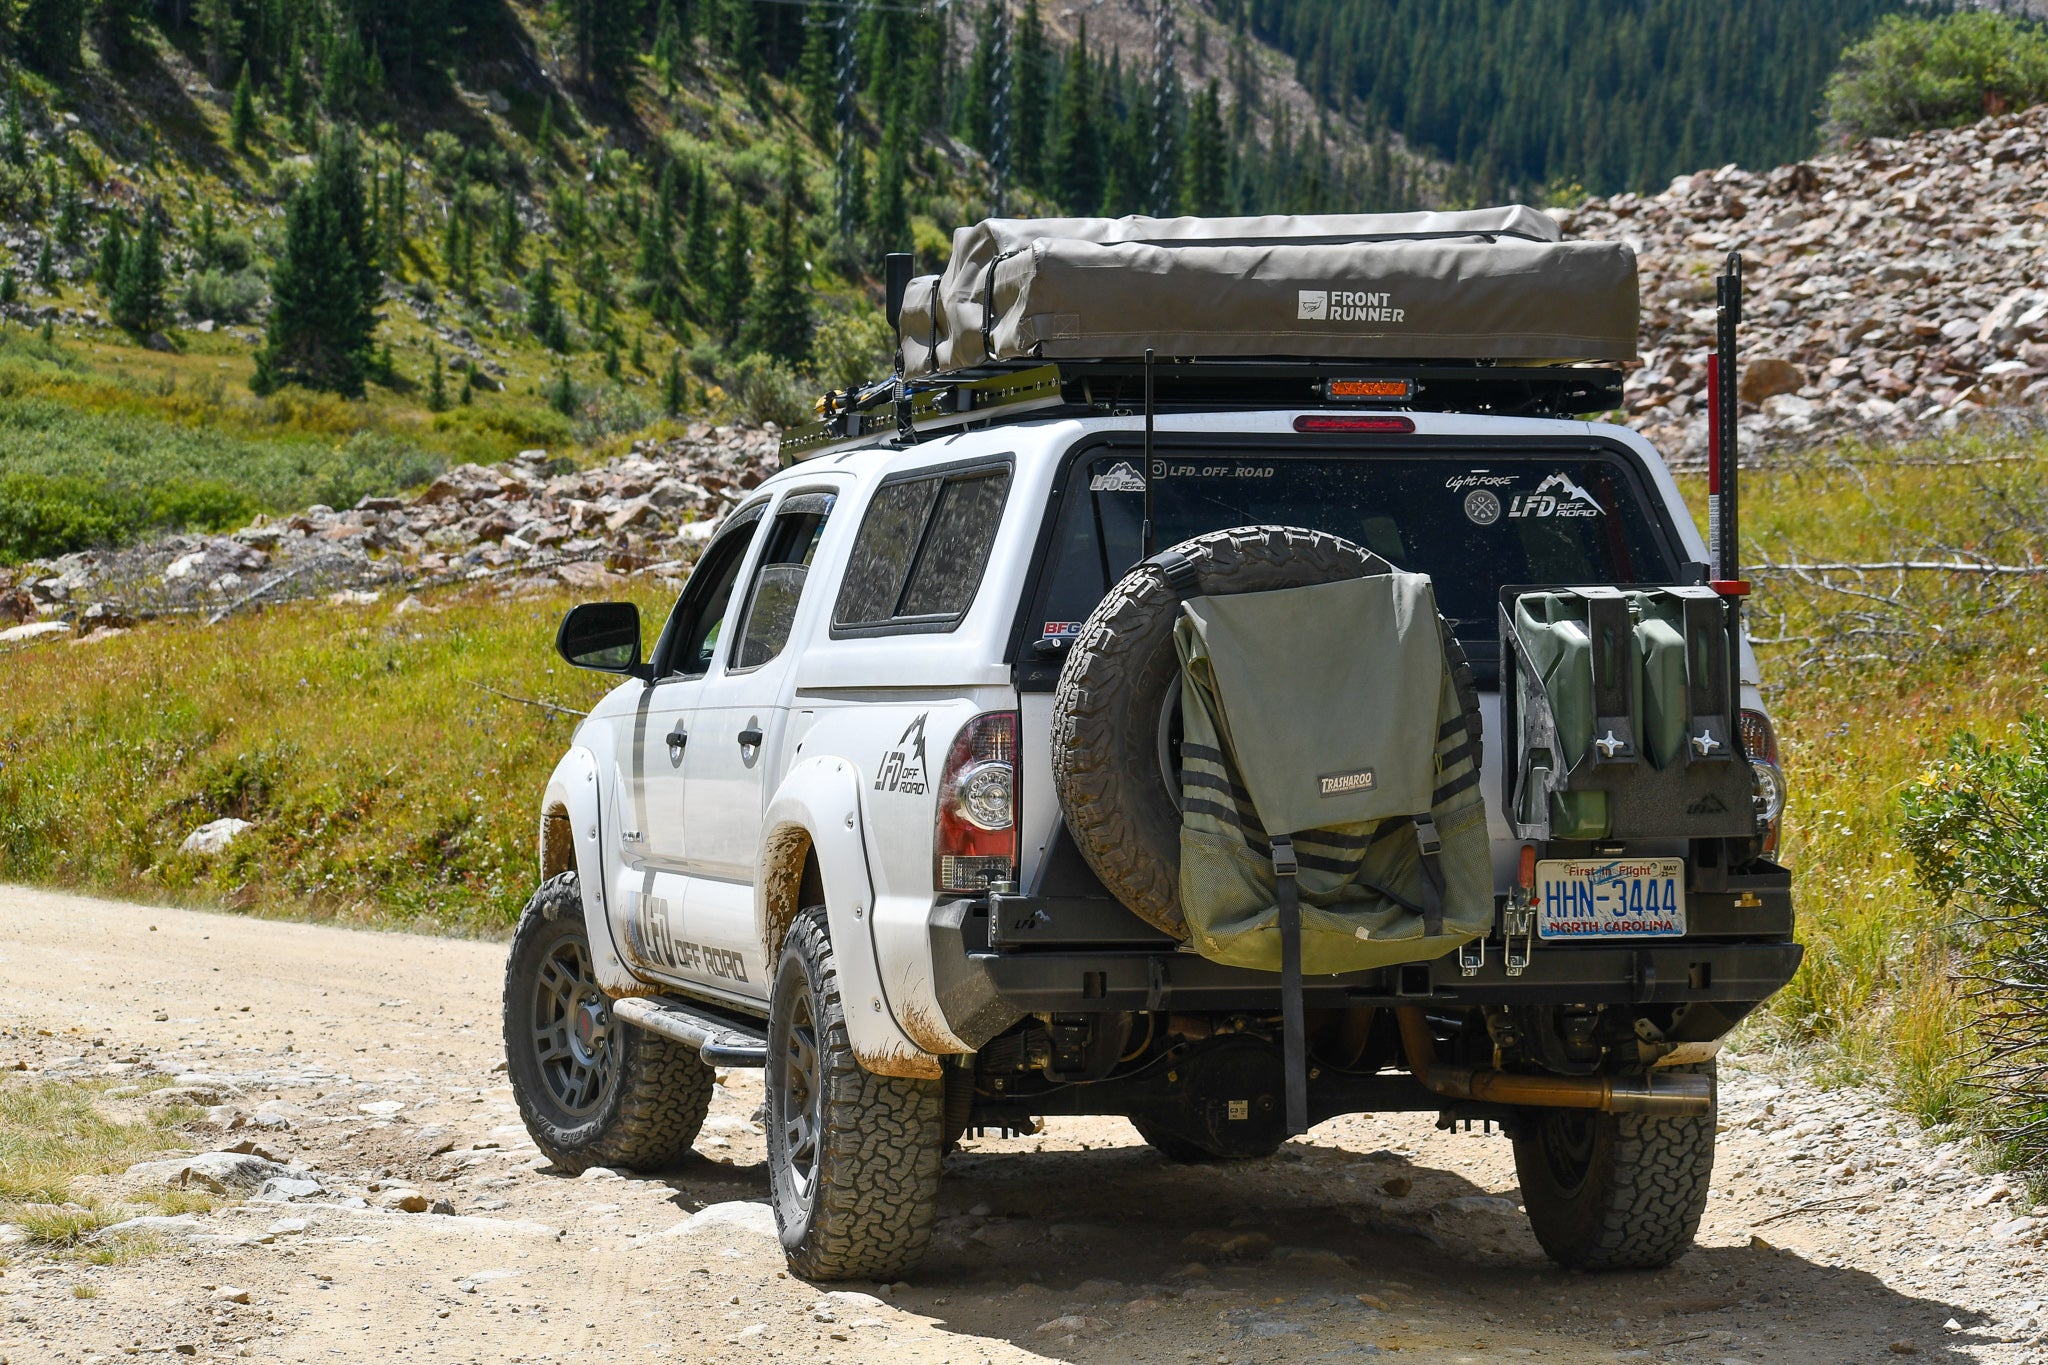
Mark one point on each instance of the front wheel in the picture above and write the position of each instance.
(592, 1089)
(1614, 1191)
(853, 1158)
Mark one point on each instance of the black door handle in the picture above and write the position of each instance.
(676, 740)
(750, 738)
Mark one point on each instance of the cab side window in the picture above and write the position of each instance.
(779, 577)
(923, 547)
(696, 625)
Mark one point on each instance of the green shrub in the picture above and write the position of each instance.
(43, 515)
(852, 348)
(222, 296)
(766, 392)
(1977, 828)
(1937, 72)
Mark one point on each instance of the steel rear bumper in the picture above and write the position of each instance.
(987, 979)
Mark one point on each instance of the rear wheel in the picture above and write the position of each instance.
(592, 1090)
(1614, 1191)
(853, 1158)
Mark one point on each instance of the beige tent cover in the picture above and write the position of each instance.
(1491, 284)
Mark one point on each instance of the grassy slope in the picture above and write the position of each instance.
(96, 403)
(385, 785)
(387, 789)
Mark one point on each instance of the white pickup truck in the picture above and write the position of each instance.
(818, 828)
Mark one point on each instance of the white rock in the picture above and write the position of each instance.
(381, 1109)
(600, 1173)
(220, 1172)
(214, 836)
(33, 630)
(729, 1221)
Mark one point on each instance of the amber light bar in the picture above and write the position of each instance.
(1384, 390)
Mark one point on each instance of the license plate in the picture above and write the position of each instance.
(1610, 898)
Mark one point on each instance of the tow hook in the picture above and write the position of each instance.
(1520, 916)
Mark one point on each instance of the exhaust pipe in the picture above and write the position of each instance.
(1684, 1094)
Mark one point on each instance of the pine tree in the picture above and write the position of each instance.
(51, 33)
(1077, 149)
(700, 241)
(437, 395)
(544, 138)
(816, 70)
(603, 32)
(639, 355)
(510, 230)
(611, 359)
(670, 49)
(782, 320)
(735, 277)
(562, 394)
(242, 122)
(326, 285)
(15, 137)
(112, 243)
(675, 392)
(543, 310)
(10, 287)
(1029, 83)
(136, 297)
(223, 31)
(1205, 160)
(743, 47)
(46, 268)
(892, 201)
(121, 24)
(70, 214)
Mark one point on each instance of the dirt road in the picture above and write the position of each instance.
(369, 1064)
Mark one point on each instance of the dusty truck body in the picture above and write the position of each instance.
(884, 810)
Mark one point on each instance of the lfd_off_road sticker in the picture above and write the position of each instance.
(904, 767)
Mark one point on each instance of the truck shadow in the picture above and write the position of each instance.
(1116, 1253)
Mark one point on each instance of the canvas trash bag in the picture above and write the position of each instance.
(1327, 713)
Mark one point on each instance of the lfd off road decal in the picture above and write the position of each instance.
(647, 927)
(1556, 496)
(903, 768)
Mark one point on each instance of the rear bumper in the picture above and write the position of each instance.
(1000, 958)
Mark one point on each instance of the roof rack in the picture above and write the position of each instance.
(904, 411)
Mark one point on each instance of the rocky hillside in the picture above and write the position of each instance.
(528, 523)
(1893, 289)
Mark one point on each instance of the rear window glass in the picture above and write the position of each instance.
(1472, 523)
(921, 551)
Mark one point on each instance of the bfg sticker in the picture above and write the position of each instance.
(903, 768)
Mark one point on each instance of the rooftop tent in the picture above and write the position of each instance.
(1490, 284)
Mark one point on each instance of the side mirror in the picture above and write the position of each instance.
(604, 636)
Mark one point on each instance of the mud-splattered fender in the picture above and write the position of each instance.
(816, 813)
(571, 835)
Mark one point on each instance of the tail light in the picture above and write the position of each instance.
(1760, 744)
(977, 841)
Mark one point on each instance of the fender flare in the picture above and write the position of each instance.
(574, 794)
(817, 812)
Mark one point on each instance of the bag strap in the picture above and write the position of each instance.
(1432, 845)
(1293, 1028)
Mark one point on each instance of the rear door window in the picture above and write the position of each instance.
(921, 552)
(1472, 521)
(779, 577)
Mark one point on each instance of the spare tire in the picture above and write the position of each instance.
(1116, 711)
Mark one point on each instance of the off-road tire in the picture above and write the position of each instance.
(655, 1093)
(857, 1191)
(1119, 677)
(1614, 1191)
